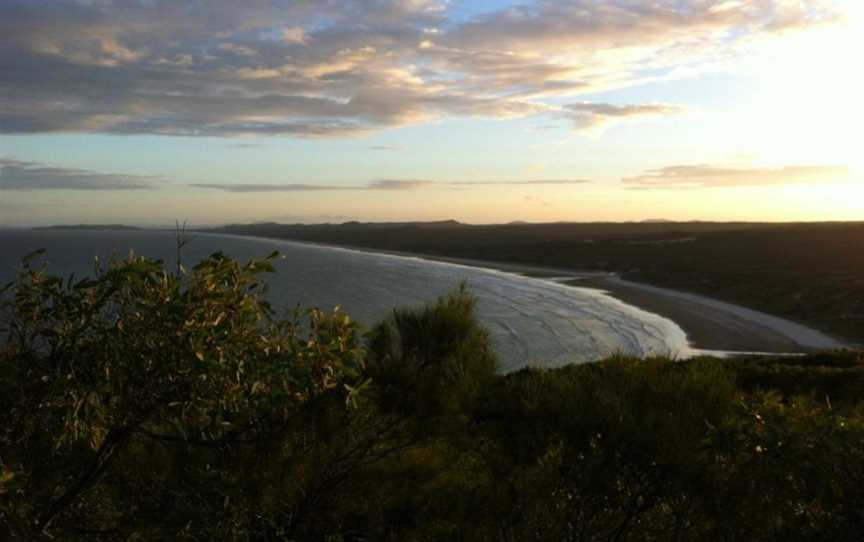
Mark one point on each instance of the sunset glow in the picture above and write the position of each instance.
(151, 112)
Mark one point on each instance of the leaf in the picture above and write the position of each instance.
(354, 392)
(6, 476)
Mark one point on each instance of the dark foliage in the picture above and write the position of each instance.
(145, 405)
(431, 360)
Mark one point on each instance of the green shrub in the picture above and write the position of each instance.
(433, 359)
(143, 392)
(146, 405)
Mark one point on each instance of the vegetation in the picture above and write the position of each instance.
(147, 405)
(812, 272)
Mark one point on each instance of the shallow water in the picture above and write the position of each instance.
(532, 321)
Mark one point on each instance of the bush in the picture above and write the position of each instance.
(138, 401)
(145, 405)
(434, 359)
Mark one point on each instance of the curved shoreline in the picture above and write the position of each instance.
(716, 325)
(709, 324)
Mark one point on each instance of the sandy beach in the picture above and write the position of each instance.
(710, 324)
(715, 325)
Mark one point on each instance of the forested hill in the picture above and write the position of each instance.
(809, 272)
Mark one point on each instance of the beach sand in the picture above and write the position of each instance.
(709, 324)
(713, 325)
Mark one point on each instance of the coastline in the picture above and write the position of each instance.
(709, 324)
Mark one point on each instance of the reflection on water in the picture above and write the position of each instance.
(532, 321)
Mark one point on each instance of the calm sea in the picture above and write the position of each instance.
(532, 321)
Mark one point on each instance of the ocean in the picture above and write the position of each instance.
(532, 322)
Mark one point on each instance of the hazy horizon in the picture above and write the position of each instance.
(173, 226)
(489, 111)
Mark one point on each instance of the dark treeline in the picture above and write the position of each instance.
(808, 272)
(149, 405)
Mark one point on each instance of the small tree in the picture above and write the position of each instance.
(433, 359)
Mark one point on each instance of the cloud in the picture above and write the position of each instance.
(28, 176)
(251, 188)
(381, 184)
(415, 184)
(343, 68)
(539, 182)
(704, 176)
(316, 218)
(245, 146)
(401, 184)
(590, 116)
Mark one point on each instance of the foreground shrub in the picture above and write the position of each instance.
(140, 398)
(145, 405)
(434, 359)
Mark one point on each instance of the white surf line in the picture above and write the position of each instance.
(677, 345)
(797, 333)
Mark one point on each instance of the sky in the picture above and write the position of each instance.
(148, 112)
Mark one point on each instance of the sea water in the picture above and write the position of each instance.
(532, 322)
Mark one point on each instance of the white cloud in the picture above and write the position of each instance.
(29, 176)
(294, 34)
(589, 116)
(339, 68)
(705, 176)
(381, 184)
